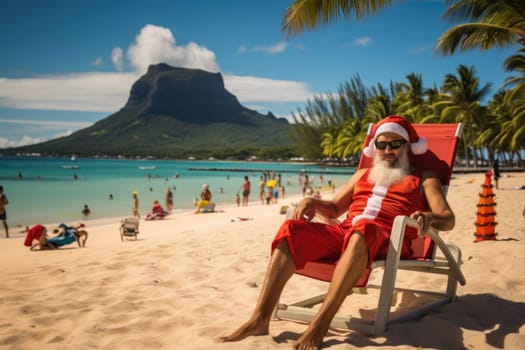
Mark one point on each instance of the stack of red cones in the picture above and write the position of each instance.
(486, 215)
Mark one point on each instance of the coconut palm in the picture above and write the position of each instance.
(515, 98)
(307, 14)
(495, 133)
(462, 103)
(381, 102)
(489, 23)
(328, 143)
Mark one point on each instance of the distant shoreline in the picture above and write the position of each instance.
(481, 170)
(455, 170)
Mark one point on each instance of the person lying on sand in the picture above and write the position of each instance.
(65, 235)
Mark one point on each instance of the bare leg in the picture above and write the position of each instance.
(6, 228)
(349, 268)
(280, 269)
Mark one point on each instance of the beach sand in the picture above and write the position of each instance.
(191, 278)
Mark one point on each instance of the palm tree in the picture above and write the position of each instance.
(306, 14)
(328, 143)
(490, 23)
(495, 132)
(381, 102)
(515, 99)
(350, 138)
(462, 103)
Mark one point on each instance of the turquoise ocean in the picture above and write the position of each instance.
(52, 190)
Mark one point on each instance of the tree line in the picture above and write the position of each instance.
(335, 125)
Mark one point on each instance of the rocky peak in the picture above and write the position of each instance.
(190, 95)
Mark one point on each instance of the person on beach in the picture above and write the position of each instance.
(372, 198)
(246, 188)
(270, 185)
(3, 212)
(497, 174)
(169, 200)
(262, 185)
(306, 184)
(37, 233)
(86, 211)
(135, 206)
(64, 235)
(157, 212)
(205, 198)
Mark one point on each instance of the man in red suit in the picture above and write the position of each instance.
(371, 198)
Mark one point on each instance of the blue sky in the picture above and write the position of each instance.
(67, 64)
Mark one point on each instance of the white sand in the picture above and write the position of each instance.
(191, 278)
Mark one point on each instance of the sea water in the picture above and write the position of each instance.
(52, 190)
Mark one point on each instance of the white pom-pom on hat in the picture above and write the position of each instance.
(400, 126)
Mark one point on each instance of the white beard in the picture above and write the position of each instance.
(385, 174)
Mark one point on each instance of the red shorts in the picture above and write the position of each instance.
(310, 241)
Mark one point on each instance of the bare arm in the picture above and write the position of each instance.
(309, 207)
(440, 215)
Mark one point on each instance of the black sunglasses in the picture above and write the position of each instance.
(395, 144)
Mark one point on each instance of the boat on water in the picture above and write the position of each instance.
(74, 166)
(151, 167)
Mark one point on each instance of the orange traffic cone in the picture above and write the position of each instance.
(486, 215)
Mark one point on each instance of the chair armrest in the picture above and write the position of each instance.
(443, 246)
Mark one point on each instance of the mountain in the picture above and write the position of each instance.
(175, 112)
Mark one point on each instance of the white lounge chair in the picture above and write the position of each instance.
(129, 228)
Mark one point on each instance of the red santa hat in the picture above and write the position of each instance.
(400, 126)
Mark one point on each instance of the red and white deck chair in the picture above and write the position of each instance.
(431, 254)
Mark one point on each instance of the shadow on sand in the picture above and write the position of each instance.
(442, 329)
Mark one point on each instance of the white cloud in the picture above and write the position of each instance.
(277, 48)
(156, 44)
(117, 55)
(256, 89)
(95, 92)
(363, 41)
(24, 141)
(108, 92)
(49, 124)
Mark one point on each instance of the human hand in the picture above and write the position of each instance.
(305, 210)
(424, 219)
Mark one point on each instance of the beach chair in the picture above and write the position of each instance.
(129, 228)
(431, 254)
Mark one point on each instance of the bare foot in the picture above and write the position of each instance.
(246, 330)
(310, 340)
